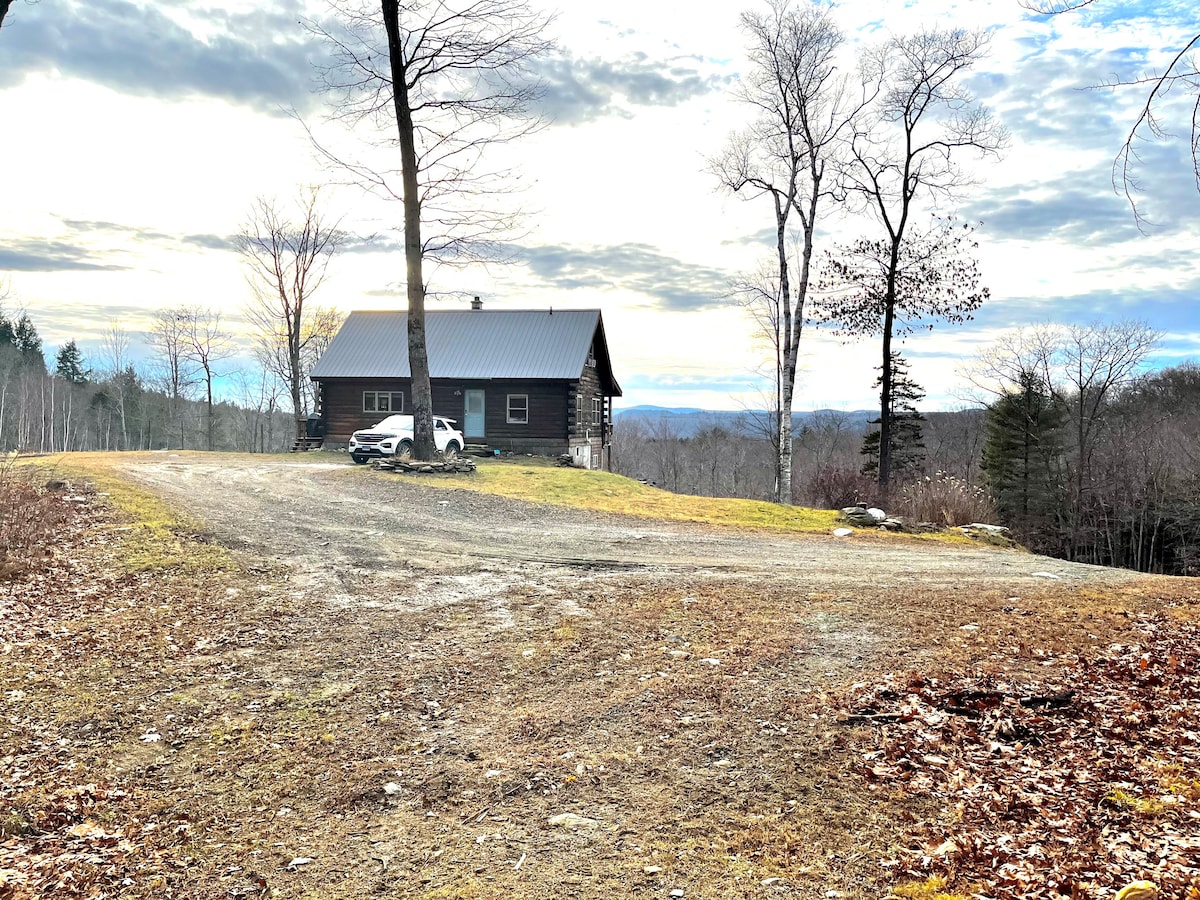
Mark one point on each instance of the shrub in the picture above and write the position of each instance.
(831, 488)
(945, 500)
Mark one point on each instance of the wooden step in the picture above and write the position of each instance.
(301, 444)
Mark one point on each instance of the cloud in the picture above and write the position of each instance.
(583, 90)
(93, 228)
(260, 58)
(38, 255)
(673, 284)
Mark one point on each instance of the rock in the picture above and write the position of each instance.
(989, 534)
(862, 516)
(652, 870)
(843, 532)
(570, 820)
(990, 529)
(678, 892)
(1044, 575)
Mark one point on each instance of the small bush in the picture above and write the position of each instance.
(945, 500)
(830, 488)
(30, 516)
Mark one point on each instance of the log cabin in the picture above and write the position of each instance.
(521, 381)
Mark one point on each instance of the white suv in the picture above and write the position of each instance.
(394, 437)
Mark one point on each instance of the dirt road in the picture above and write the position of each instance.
(354, 539)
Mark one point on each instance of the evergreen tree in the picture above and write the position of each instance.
(1022, 454)
(6, 329)
(68, 364)
(908, 442)
(27, 340)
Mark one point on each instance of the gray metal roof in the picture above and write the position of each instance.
(481, 343)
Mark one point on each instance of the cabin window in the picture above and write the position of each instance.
(518, 409)
(597, 410)
(383, 401)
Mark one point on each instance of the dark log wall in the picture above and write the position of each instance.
(546, 431)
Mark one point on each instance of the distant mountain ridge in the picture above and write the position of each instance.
(688, 421)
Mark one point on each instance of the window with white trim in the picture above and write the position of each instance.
(383, 401)
(518, 409)
(597, 410)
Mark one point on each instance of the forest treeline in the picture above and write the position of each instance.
(113, 404)
(1107, 474)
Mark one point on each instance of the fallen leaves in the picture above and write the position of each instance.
(1072, 788)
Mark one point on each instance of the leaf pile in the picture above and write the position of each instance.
(30, 517)
(1073, 788)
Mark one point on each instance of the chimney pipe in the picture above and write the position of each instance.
(476, 303)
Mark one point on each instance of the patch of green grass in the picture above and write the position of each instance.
(929, 889)
(153, 535)
(1141, 805)
(541, 481)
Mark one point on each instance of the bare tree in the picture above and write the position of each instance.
(451, 79)
(114, 350)
(168, 337)
(1181, 74)
(287, 261)
(803, 116)
(205, 344)
(319, 331)
(907, 152)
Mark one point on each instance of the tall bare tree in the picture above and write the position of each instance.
(907, 152)
(1180, 75)
(804, 112)
(205, 345)
(287, 261)
(450, 78)
(114, 353)
(168, 337)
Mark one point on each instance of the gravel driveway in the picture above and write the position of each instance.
(359, 538)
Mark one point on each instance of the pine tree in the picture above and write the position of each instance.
(1022, 454)
(27, 340)
(68, 364)
(908, 442)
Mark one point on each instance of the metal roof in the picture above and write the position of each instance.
(464, 344)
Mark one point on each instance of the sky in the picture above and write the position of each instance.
(137, 137)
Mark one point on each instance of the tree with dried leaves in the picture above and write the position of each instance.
(1180, 75)
(906, 152)
(804, 114)
(448, 80)
(287, 260)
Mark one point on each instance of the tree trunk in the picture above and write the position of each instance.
(783, 445)
(418, 359)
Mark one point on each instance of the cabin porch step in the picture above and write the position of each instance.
(301, 444)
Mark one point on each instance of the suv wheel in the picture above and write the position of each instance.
(452, 450)
(404, 450)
